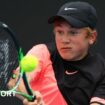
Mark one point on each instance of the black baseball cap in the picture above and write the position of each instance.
(78, 14)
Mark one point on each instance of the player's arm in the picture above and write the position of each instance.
(35, 74)
(38, 97)
(98, 97)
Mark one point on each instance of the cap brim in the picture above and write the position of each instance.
(71, 20)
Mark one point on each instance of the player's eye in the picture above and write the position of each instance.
(58, 32)
(73, 32)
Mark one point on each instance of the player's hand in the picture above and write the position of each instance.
(37, 101)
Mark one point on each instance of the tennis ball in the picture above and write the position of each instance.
(28, 63)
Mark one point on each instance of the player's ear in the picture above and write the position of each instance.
(93, 37)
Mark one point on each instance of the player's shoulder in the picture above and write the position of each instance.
(99, 59)
(50, 47)
(43, 49)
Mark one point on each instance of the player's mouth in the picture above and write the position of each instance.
(66, 49)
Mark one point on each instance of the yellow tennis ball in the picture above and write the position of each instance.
(28, 63)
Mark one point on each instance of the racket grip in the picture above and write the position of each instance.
(27, 96)
(32, 99)
(30, 96)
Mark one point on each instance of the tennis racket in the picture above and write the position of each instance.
(10, 56)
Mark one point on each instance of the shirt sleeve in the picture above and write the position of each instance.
(41, 52)
(99, 94)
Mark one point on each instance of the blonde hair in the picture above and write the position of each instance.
(91, 32)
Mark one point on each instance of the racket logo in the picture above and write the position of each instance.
(4, 25)
(7, 93)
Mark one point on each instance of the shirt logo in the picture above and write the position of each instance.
(70, 73)
(69, 8)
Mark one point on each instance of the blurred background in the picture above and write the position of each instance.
(28, 19)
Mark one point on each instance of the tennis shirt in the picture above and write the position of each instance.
(68, 83)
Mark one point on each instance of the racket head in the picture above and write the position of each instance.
(10, 57)
(9, 53)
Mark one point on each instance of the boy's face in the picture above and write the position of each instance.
(72, 43)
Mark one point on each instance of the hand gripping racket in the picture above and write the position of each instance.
(10, 56)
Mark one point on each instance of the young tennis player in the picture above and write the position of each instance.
(68, 72)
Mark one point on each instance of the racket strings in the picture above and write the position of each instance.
(8, 60)
(10, 56)
(17, 82)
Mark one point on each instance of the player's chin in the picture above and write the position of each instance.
(68, 56)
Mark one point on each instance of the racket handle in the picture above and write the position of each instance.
(27, 96)
(30, 95)
(31, 98)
